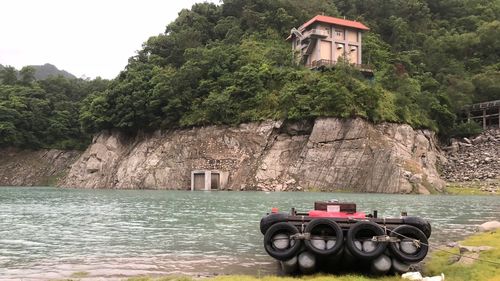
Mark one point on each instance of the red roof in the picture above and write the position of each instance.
(336, 21)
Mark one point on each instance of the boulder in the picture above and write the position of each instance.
(489, 226)
(474, 249)
(416, 178)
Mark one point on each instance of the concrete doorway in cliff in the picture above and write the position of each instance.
(215, 181)
(208, 179)
(198, 181)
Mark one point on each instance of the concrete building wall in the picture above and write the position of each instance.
(326, 50)
(352, 35)
(339, 42)
(352, 50)
(339, 33)
(340, 49)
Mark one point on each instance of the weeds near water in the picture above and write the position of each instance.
(79, 274)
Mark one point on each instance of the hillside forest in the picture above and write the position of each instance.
(229, 63)
(43, 113)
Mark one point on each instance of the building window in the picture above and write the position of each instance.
(339, 33)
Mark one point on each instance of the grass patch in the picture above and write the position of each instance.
(438, 263)
(79, 274)
(460, 190)
(478, 271)
(275, 278)
(474, 187)
(166, 278)
(306, 278)
(325, 189)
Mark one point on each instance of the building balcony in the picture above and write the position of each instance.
(315, 33)
(324, 62)
(483, 105)
(367, 70)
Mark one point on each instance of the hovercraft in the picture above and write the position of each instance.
(334, 237)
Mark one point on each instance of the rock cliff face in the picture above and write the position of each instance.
(327, 154)
(40, 167)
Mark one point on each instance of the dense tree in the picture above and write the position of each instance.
(8, 75)
(44, 113)
(229, 63)
(27, 74)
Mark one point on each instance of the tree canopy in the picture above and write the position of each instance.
(229, 63)
(45, 113)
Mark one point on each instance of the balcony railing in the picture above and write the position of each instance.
(483, 105)
(315, 32)
(329, 63)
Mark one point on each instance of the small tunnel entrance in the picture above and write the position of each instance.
(208, 179)
(215, 181)
(199, 181)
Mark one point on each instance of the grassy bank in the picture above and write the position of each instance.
(460, 190)
(473, 188)
(477, 271)
(438, 263)
(276, 278)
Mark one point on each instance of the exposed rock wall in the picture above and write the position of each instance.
(327, 154)
(40, 167)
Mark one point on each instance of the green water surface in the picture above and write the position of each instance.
(48, 233)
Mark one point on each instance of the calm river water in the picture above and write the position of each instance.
(49, 233)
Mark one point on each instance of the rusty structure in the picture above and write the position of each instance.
(487, 114)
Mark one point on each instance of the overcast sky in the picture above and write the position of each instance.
(85, 37)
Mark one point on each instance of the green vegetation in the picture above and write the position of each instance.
(43, 114)
(478, 271)
(437, 264)
(229, 63)
(274, 278)
(471, 188)
(459, 190)
(80, 274)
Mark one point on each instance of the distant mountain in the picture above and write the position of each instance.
(46, 70)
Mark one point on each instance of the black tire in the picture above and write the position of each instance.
(361, 231)
(281, 228)
(326, 227)
(267, 221)
(414, 233)
(419, 223)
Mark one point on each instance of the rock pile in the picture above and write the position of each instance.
(472, 159)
